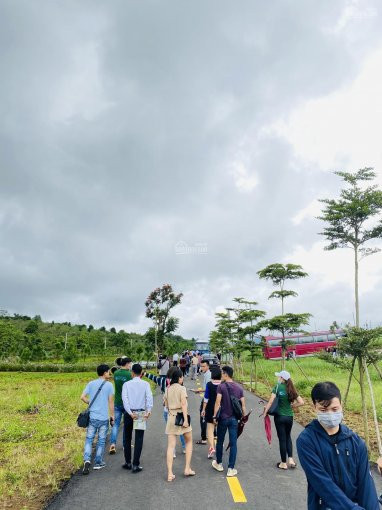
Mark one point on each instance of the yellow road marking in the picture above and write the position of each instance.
(236, 490)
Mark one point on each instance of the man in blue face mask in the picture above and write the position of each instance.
(334, 458)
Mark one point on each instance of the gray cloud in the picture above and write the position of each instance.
(122, 126)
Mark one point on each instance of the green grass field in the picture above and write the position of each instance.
(40, 443)
(319, 370)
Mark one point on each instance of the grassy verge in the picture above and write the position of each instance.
(40, 443)
(317, 370)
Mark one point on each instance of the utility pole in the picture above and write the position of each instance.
(66, 340)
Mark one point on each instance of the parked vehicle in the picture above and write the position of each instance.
(303, 345)
(212, 358)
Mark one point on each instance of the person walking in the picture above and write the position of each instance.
(205, 369)
(120, 377)
(188, 363)
(176, 403)
(194, 366)
(175, 359)
(334, 458)
(288, 401)
(183, 364)
(137, 402)
(99, 393)
(163, 366)
(209, 406)
(227, 419)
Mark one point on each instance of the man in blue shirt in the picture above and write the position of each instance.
(334, 458)
(102, 391)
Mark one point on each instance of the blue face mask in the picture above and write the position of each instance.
(330, 420)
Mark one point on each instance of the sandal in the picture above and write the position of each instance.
(278, 466)
(200, 441)
(171, 478)
(191, 473)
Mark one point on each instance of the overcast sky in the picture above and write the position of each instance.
(150, 142)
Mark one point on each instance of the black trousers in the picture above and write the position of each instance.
(203, 425)
(284, 426)
(138, 444)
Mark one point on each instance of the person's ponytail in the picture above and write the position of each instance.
(291, 391)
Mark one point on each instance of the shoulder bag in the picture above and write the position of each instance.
(236, 404)
(273, 410)
(84, 417)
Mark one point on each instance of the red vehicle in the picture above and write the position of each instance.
(303, 345)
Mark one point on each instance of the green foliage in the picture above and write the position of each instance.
(347, 217)
(278, 274)
(158, 306)
(362, 343)
(32, 327)
(70, 355)
(48, 367)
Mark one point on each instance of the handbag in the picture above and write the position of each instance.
(273, 410)
(236, 404)
(84, 417)
(179, 419)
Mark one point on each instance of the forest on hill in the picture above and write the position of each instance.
(24, 338)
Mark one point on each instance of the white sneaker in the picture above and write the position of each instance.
(174, 456)
(218, 467)
(231, 472)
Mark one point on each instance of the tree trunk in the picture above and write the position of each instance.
(356, 285)
(252, 371)
(254, 360)
(377, 369)
(363, 398)
(349, 382)
(379, 443)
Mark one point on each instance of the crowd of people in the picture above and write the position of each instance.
(333, 457)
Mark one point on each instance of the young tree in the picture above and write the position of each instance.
(347, 220)
(289, 323)
(248, 318)
(159, 304)
(365, 347)
(278, 274)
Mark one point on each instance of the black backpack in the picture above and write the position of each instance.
(236, 404)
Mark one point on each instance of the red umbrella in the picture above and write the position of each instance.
(241, 425)
(268, 428)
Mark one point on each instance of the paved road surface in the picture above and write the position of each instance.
(263, 486)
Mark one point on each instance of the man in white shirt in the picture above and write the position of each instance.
(137, 400)
(175, 359)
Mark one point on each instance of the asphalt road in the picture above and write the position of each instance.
(258, 481)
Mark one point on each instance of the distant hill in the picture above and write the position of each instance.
(32, 339)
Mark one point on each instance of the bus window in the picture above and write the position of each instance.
(306, 339)
(321, 338)
(273, 343)
(332, 338)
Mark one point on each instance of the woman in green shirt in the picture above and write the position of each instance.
(288, 400)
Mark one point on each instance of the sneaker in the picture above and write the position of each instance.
(86, 468)
(184, 451)
(211, 452)
(218, 467)
(231, 472)
(174, 456)
(99, 466)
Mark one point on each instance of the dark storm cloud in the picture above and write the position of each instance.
(122, 128)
